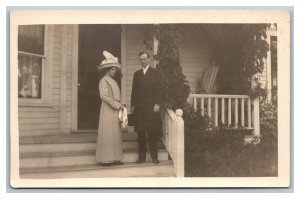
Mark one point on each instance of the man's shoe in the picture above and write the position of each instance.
(155, 161)
(139, 161)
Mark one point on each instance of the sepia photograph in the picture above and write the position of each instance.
(145, 98)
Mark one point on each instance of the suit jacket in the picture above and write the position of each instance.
(146, 91)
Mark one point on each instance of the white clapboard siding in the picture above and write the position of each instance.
(38, 126)
(44, 120)
(40, 120)
(134, 45)
(33, 132)
(194, 56)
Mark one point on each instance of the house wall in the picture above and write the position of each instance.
(56, 115)
(134, 45)
(45, 119)
(265, 78)
(194, 56)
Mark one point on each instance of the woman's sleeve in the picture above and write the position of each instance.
(103, 89)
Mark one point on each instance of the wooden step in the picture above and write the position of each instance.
(76, 146)
(129, 129)
(69, 138)
(69, 158)
(68, 143)
(147, 169)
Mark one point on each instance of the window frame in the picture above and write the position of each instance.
(45, 99)
(274, 94)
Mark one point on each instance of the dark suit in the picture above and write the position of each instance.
(147, 91)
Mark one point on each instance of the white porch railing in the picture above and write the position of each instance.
(232, 111)
(173, 138)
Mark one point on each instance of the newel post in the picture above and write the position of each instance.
(179, 167)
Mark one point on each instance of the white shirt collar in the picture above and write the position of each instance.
(145, 69)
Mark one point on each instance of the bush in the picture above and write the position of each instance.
(175, 85)
(220, 152)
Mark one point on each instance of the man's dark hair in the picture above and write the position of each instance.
(143, 52)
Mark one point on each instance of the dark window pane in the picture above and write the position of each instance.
(31, 39)
(29, 76)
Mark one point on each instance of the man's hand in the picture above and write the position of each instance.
(156, 108)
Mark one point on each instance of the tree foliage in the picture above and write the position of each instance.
(176, 89)
(239, 50)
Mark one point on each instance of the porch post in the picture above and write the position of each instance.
(63, 80)
(256, 121)
(75, 77)
(123, 63)
(255, 111)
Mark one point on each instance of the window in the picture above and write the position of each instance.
(31, 44)
(34, 61)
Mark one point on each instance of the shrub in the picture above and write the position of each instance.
(176, 89)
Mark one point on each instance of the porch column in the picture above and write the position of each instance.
(255, 110)
(124, 64)
(63, 80)
(75, 77)
(256, 120)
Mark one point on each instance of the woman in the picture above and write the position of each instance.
(109, 149)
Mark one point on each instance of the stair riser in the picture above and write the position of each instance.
(31, 148)
(129, 129)
(79, 160)
(148, 171)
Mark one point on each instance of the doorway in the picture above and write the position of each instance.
(93, 40)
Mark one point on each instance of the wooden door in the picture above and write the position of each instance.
(93, 40)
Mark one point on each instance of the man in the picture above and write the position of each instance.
(146, 100)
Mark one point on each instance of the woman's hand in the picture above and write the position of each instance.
(122, 107)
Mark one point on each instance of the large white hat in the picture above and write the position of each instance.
(110, 61)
